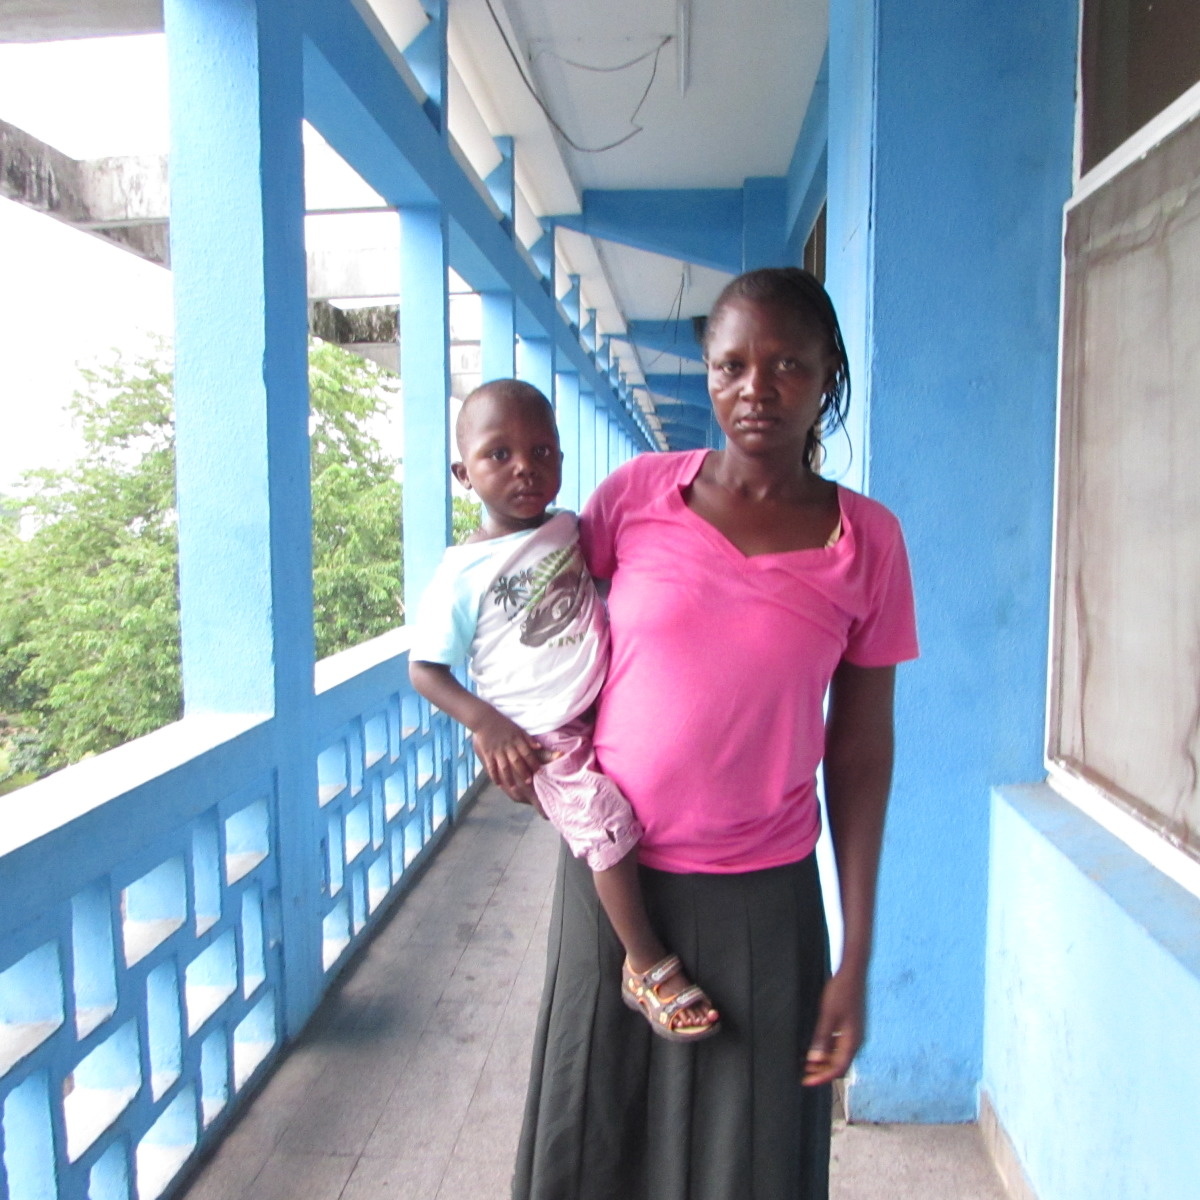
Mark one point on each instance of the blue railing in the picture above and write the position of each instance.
(145, 950)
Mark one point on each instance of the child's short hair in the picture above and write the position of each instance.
(515, 390)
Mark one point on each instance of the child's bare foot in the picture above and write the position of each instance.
(676, 1008)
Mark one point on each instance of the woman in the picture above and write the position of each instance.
(743, 586)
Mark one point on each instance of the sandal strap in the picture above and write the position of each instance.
(686, 999)
(662, 971)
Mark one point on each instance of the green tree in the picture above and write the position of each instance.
(358, 572)
(89, 616)
(466, 518)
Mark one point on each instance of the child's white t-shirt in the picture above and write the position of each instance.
(524, 612)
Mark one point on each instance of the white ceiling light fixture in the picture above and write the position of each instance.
(683, 44)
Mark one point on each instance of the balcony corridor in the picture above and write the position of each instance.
(408, 1085)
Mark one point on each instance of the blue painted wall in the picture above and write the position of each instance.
(950, 158)
(1092, 1057)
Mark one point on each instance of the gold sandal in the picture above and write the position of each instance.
(639, 990)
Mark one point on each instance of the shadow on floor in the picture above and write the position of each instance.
(409, 1082)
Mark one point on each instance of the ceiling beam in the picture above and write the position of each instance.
(123, 200)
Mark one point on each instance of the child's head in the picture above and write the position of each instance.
(509, 454)
(800, 295)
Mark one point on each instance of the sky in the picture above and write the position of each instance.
(66, 296)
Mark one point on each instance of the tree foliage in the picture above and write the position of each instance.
(89, 610)
(357, 553)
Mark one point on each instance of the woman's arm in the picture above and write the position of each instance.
(858, 775)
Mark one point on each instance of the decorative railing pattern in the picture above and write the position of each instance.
(144, 948)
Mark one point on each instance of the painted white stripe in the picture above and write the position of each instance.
(1171, 119)
(1142, 838)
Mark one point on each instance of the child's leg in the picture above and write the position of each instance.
(620, 893)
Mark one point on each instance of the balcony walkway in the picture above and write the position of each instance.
(409, 1083)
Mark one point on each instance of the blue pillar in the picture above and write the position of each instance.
(587, 444)
(567, 411)
(535, 363)
(498, 352)
(241, 409)
(945, 269)
(600, 446)
(425, 368)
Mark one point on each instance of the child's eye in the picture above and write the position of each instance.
(542, 451)
(499, 454)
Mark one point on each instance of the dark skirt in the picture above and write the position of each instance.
(616, 1113)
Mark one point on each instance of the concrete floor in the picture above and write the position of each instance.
(409, 1083)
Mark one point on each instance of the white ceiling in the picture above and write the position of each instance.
(750, 67)
(722, 87)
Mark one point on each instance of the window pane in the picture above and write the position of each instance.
(1126, 699)
(1138, 56)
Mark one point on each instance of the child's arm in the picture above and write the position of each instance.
(510, 756)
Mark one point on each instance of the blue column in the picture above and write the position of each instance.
(945, 268)
(600, 446)
(241, 407)
(567, 411)
(535, 363)
(425, 368)
(498, 352)
(587, 444)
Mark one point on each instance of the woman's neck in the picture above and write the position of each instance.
(781, 479)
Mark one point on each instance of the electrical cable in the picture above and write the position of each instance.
(657, 52)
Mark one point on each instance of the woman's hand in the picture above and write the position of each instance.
(510, 756)
(839, 1030)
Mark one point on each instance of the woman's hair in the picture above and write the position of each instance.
(800, 292)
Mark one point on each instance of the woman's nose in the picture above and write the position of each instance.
(756, 381)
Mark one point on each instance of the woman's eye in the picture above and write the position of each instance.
(786, 365)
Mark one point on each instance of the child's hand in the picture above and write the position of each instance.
(510, 756)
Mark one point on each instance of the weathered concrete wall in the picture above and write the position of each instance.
(54, 20)
(124, 200)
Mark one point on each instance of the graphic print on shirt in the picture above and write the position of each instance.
(550, 595)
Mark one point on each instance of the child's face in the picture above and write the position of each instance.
(512, 461)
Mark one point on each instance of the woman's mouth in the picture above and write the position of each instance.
(756, 422)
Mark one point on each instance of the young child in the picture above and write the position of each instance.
(517, 602)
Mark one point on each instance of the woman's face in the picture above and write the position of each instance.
(768, 370)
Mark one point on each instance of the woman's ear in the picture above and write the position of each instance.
(459, 471)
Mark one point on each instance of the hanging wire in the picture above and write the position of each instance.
(674, 313)
(656, 52)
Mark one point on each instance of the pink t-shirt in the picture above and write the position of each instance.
(711, 719)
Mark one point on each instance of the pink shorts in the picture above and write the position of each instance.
(581, 802)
